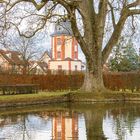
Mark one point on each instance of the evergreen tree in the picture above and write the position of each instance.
(125, 57)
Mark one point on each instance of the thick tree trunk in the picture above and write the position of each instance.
(93, 81)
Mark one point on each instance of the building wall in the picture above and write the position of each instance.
(66, 65)
(36, 69)
(52, 45)
(68, 46)
(1, 59)
(4, 64)
(63, 48)
(45, 58)
(53, 65)
(74, 64)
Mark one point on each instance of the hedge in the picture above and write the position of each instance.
(113, 81)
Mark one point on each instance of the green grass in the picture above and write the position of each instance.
(30, 97)
(109, 95)
(48, 97)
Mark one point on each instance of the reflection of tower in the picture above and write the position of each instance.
(65, 127)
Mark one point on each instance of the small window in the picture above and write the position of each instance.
(59, 42)
(59, 54)
(59, 67)
(75, 54)
(59, 134)
(75, 67)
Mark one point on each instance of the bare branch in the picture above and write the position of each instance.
(133, 26)
(115, 35)
(77, 33)
(37, 6)
(134, 12)
(112, 14)
(134, 4)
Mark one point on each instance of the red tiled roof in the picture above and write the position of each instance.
(13, 57)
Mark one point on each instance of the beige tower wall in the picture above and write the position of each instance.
(76, 63)
(66, 65)
(54, 65)
(68, 46)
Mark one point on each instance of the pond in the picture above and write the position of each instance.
(97, 121)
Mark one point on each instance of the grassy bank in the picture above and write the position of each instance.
(25, 99)
(108, 96)
(57, 97)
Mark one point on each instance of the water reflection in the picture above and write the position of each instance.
(76, 122)
(122, 123)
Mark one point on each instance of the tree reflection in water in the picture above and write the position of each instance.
(123, 121)
(22, 127)
(74, 122)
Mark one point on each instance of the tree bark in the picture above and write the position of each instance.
(91, 43)
(93, 81)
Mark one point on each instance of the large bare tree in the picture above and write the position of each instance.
(28, 48)
(97, 17)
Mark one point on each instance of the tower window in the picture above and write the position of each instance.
(59, 42)
(75, 54)
(58, 54)
(75, 67)
(59, 67)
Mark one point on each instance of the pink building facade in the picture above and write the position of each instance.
(64, 49)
